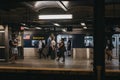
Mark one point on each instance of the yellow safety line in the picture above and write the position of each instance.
(50, 69)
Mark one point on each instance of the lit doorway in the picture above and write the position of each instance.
(116, 44)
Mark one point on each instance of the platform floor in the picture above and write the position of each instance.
(70, 64)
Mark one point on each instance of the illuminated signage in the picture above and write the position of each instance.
(38, 38)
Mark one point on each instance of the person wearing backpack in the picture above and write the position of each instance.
(42, 46)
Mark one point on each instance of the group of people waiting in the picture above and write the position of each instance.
(52, 49)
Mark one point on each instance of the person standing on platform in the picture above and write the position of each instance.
(40, 48)
(62, 49)
(14, 51)
(109, 48)
(53, 48)
(10, 47)
(69, 47)
(49, 44)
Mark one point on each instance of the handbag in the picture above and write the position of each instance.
(64, 48)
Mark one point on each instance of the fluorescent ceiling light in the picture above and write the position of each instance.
(26, 28)
(83, 24)
(2, 31)
(23, 24)
(64, 30)
(62, 16)
(56, 24)
(38, 28)
(85, 27)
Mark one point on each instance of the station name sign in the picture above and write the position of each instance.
(38, 38)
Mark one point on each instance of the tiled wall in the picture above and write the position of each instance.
(30, 52)
(82, 53)
(78, 53)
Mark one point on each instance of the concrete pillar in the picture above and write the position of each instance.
(6, 44)
(99, 40)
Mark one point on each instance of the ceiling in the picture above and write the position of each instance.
(26, 12)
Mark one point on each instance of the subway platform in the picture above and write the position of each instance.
(70, 64)
(70, 67)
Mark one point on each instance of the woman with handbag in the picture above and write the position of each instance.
(62, 49)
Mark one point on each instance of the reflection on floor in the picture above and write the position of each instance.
(69, 64)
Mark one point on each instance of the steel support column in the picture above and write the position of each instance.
(99, 40)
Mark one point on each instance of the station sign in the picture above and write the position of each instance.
(38, 38)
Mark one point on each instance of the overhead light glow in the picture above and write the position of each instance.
(56, 24)
(2, 31)
(23, 24)
(83, 24)
(64, 30)
(62, 16)
(38, 28)
(26, 28)
(85, 27)
(1, 27)
(37, 3)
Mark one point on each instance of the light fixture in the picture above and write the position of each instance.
(57, 16)
(38, 28)
(64, 30)
(23, 24)
(2, 31)
(83, 24)
(56, 24)
(84, 27)
(26, 28)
